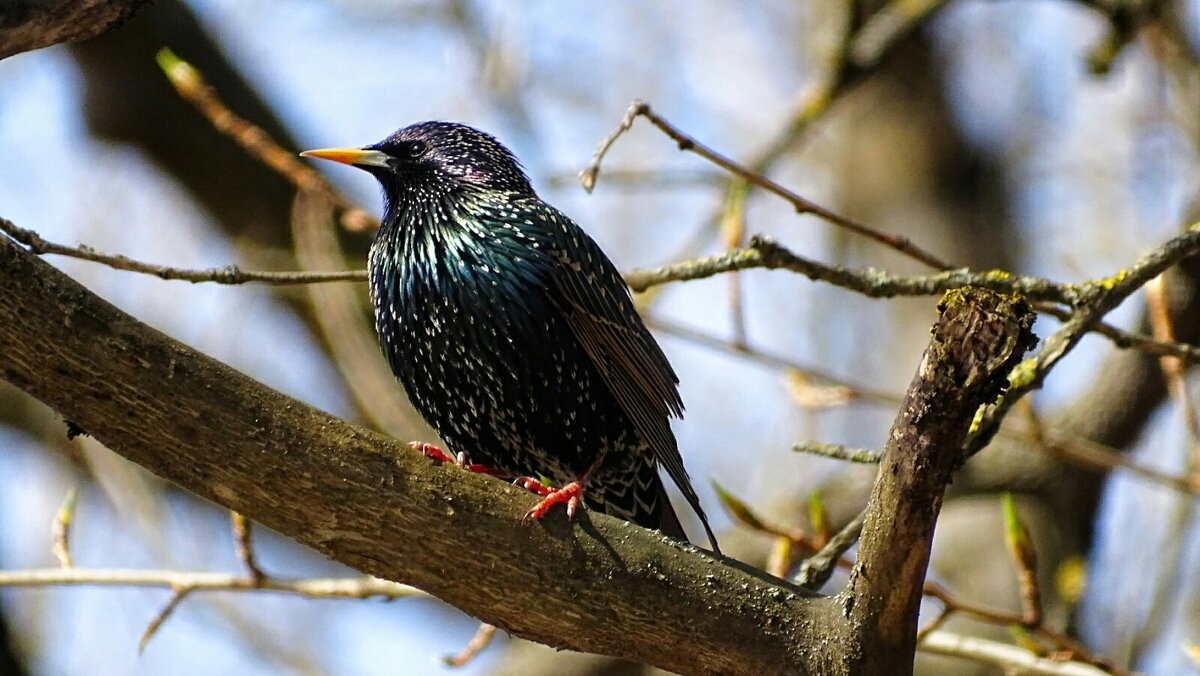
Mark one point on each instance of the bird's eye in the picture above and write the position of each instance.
(417, 149)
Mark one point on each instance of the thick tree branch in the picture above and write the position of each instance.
(25, 26)
(603, 586)
(979, 339)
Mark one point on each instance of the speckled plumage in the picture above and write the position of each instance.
(511, 331)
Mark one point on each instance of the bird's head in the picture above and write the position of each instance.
(435, 158)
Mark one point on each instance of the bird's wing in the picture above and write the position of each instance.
(600, 312)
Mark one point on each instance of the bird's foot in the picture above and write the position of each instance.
(431, 451)
(570, 494)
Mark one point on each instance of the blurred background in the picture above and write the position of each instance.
(1046, 137)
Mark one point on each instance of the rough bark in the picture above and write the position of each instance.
(977, 341)
(27, 24)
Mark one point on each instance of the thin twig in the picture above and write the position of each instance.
(815, 572)
(763, 252)
(481, 639)
(1096, 298)
(230, 274)
(177, 597)
(804, 206)
(243, 545)
(349, 587)
(1128, 339)
(863, 456)
(191, 87)
(1003, 655)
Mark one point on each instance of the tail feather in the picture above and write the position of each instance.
(639, 495)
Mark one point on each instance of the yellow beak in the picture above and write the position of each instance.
(353, 156)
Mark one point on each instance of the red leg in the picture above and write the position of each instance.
(570, 494)
(431, 451)
(531, 484)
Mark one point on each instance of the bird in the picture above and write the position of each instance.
(513, 334)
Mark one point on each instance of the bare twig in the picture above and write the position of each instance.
(1127, 339)
(177, 597)
(868, 281)
(1096, 298)
(349, 587)
(230, 274)
(763, 252)
(804, 206)
(815, 572)
(245, 549)
(838, 452)
(475, 646)
(1003, 655)
(190, 85)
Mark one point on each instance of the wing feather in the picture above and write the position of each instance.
(600, 311)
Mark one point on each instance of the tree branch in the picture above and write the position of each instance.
(603, 585)
(979, 338)
(25, 26)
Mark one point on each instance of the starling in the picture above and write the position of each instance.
(512, 333)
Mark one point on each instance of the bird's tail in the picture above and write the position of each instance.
(640, 496)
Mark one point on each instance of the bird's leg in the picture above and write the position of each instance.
(570, 494)
(461, 459)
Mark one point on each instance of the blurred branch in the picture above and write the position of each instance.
(352, 341)
(838, 452)
(351, 587)
(1010, 658)
(33, 25)
(883, 29)
(752, 353)
(190, 85)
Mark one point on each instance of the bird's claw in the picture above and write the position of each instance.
(569, 494)
(431, 451)
(460, 459)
